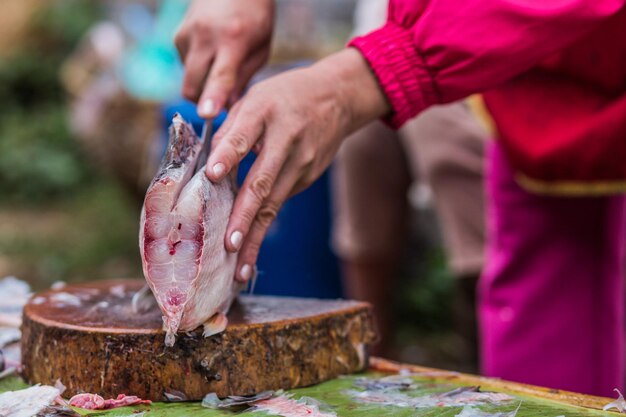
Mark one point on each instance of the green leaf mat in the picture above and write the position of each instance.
(333, 396)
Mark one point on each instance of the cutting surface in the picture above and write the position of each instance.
(88, 336)
(106, 306)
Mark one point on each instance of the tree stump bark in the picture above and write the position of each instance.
(87, 336)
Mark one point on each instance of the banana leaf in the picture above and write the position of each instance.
(337, 396)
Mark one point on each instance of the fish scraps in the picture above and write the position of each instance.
(273, 403)
(620, 403)
(57, 411)
(175, 396)
(471, 411)
(95, 402)
(392, 382)
(28, 402)
(15, 294)
(286, 406)
(213, 401)
(389, 392)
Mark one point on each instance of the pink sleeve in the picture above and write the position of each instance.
(437, 51)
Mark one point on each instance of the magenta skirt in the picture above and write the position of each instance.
(551, 298)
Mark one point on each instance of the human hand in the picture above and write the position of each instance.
(222, 43)
(295, 123)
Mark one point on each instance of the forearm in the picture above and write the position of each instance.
(357, 92)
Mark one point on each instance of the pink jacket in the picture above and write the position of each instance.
(438, 51)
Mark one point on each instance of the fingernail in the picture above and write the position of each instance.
(206, 108)
(218, 169)
(235, 238)
(246, 272)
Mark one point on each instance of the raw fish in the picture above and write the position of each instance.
(181, 238)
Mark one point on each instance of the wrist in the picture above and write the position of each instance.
(357, 90)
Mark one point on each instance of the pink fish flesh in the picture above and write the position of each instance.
(181, 239)
(286, 406)
(96, 402)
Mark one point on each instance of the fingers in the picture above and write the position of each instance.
(226, 126)
(249, 67)
(221, 82)
(181, 41)
(256, 188)
(197, 63)
(234, 141)
(253, 214)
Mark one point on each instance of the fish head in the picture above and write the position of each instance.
(179, 162)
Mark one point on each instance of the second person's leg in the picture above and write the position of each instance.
(370, 182)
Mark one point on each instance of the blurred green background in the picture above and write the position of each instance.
(62, 217)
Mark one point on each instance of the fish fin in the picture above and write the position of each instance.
(170, 338)
(143, 300)
(620, 403)
(171, 323)
(216, 324)
(255, 274)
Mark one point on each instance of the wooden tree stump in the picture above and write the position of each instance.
(87, 336)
